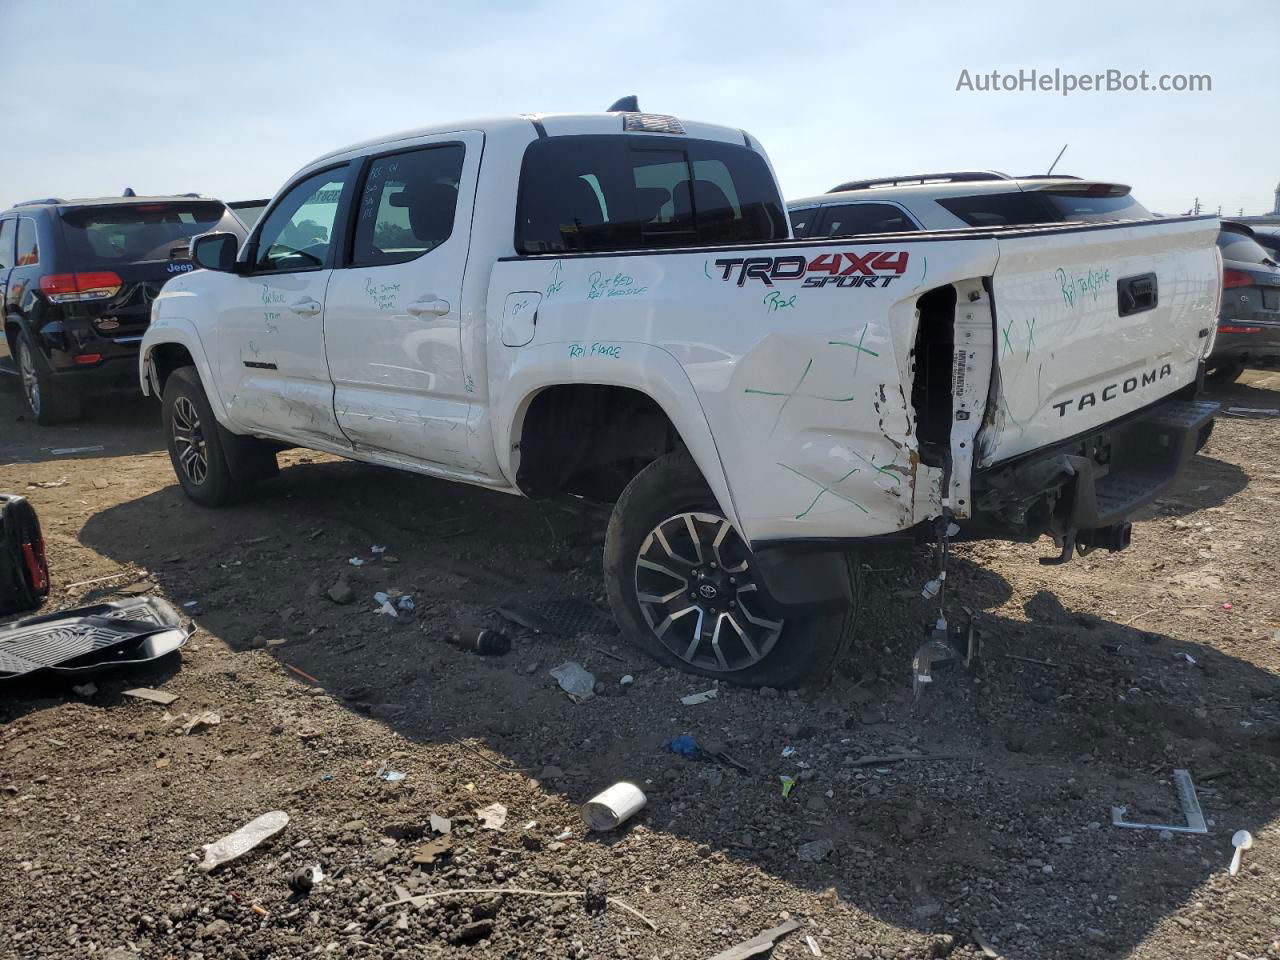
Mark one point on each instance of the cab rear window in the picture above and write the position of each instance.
(630, 191)
(129, 233)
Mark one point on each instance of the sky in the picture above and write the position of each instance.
(229, 98)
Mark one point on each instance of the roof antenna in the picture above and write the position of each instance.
(1057, 158)
(625, 105)
(128, 192)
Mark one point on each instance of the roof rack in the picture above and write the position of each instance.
(958, 176)
(39, 203)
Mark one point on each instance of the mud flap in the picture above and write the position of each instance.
(796, 583)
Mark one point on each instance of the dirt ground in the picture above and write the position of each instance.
(1096, 681)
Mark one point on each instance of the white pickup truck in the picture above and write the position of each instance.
(612, 307)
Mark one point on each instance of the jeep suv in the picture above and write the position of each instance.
(969, 198)
(77, 278)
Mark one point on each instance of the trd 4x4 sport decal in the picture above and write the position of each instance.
(875, 268)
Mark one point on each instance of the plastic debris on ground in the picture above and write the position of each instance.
(391, 776)
(201, 720)
(815, 851)
(93, 638)
(626, 680)
(1242, 840)
(235, 845)
(524, 617)
(788, 784)
(812, 944)
(356, 561)
(376, 549)
(433, 849)
(492, 817)
(612, 807)
(1189, 802)
(788, 752)
(758, 945)
(684, 745)
(578, 683)
(441, 824)
(694, 699)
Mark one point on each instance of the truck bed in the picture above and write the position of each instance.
(826, 369)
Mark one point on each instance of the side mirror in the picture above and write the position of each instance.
(215, 251)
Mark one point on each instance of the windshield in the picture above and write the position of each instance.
(1242, 249)
(129, 233)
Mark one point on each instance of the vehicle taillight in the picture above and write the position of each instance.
(1232, 328)
(1235, 278)
(76, 287)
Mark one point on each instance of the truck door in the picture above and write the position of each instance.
(393, 317)
(269, 347)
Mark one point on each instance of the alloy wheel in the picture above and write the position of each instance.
(697, 591)
(27, 370)
(189, 441)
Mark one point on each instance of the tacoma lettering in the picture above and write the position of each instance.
(1109, 392)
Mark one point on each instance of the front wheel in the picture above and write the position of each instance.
(682, 584)
(197, 444)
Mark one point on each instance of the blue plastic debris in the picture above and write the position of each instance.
(684, 745)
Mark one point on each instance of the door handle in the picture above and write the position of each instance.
(306, 307)
(429, 306)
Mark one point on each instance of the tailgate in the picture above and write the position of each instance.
(1094, 323)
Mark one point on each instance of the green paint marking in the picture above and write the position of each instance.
(1031, 335)
(877, 468)
(824, 489)
(1008, 344)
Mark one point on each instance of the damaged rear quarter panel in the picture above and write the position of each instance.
(814, 420)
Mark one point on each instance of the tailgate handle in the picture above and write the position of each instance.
(1137, 294)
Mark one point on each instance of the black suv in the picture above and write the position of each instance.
(77, 278)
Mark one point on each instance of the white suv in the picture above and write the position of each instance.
(945, 201)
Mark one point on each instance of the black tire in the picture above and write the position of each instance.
(48, 402)
(1224, 374)
(669, 491)
(203, 452)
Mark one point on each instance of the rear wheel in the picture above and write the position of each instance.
(48, 402)
(682, 584)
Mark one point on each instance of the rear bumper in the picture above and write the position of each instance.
(1094, 481)
(1250, 349)
(114, 373)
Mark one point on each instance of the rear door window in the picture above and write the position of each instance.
(8, 228)
(802, 221)
(619, 192)
(28, 244)
(407, 205)
(850, 219)
(1042, 206)
(105, 236)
